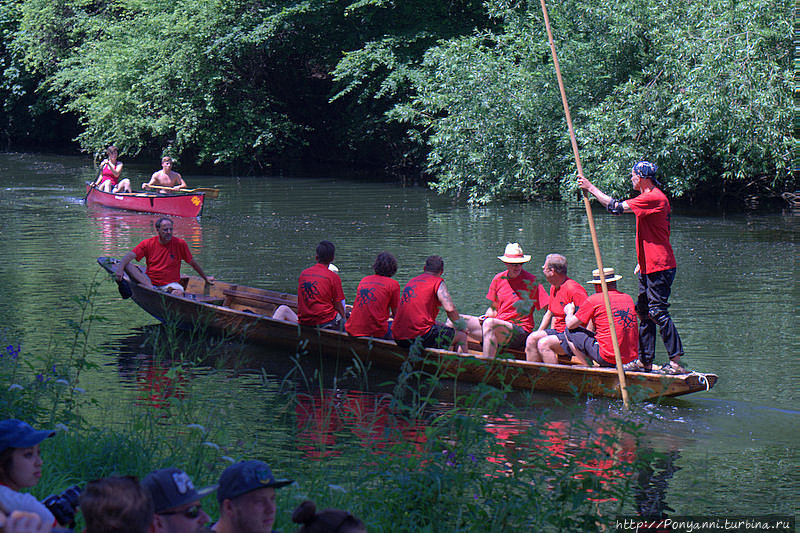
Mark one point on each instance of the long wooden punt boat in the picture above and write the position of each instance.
(178, 204)
(232, 309)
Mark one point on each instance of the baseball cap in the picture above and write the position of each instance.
(247, 476)
(18, 434)
(172, 487)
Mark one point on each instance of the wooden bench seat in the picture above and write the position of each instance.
(264, 304)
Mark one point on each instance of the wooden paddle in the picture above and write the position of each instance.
(620, 371)
(208, 191)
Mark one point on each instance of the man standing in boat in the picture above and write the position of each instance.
(655, 267)
(563, 291)
(419, 306)
(163, 254)
(166, 177)
(320, 298)
(588, 333)
(514, 294)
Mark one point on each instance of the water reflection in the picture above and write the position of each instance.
(333, 415)
(115, 226)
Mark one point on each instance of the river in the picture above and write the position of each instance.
(735, 298)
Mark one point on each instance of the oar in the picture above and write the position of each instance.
(620, 371)
(208, 191)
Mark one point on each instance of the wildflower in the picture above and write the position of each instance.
(211, 445)
(61, 427)
(41, 379)
(62, 381)
(79, 390)
(13, 351)
(197, 426)
(229, 459)
(337, 488)
(15, 386)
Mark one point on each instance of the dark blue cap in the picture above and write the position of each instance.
(646, 169)
(18, 434)
(171, 488)
(247, 476)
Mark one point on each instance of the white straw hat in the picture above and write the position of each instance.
(610, 276)
(513, 254)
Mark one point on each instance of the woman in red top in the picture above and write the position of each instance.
(110, 169)
(376, 300)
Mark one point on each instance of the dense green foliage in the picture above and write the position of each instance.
(462, 90)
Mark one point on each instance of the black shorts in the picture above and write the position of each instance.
(437, 337)
(518, 337)
(336, 323)
(585, 342)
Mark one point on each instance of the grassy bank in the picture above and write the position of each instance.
(421, 458)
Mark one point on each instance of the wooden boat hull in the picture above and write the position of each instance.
(236, 310)
(182, 205)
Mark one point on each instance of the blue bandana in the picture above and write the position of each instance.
(646, 169)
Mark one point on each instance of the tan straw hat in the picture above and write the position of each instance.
(513, 254)
(610, 276)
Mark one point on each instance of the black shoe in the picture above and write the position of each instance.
(124, 289)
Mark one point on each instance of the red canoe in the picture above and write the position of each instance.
(182, 205)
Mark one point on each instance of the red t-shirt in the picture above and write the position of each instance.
(375, 297)
(594, 309)
(653, 250)
(569, 292)
(163, 260)
(418, 307)
(505, 293)
(318, 290)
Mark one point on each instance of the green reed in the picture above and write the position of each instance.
(423, 458)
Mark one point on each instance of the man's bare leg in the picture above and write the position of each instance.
(532, 346)
(473, 325)
(495, 333)
(550, 348)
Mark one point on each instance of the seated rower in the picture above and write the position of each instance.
(166, 177)
(415, 320)
(514, 294)
(110, 170)
(376, 300)
(163, 254)
(563, 291)
(593, 344)
(320, 298)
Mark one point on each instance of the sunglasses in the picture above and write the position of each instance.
(192, 512)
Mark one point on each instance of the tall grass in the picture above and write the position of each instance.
(423, 458)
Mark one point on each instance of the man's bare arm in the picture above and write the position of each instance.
(447, 303)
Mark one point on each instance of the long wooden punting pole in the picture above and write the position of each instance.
(620, 371)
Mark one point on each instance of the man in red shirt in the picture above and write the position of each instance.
(656, 264)
(418, 308)
(588, 332)
(320, 298)
(514, 294)
(563, 291)
(376, 300)
(163, 254)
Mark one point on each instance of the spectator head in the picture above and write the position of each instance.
(116, 505)
(434, 264)
(20, 461)
(325, 252)
(326, 521)
(246, 497)
(176, 502)
(385, 265)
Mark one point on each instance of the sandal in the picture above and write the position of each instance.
(673, 369)
(636, 366)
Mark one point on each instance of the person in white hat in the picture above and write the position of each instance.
(514, 295)
(588, 333)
